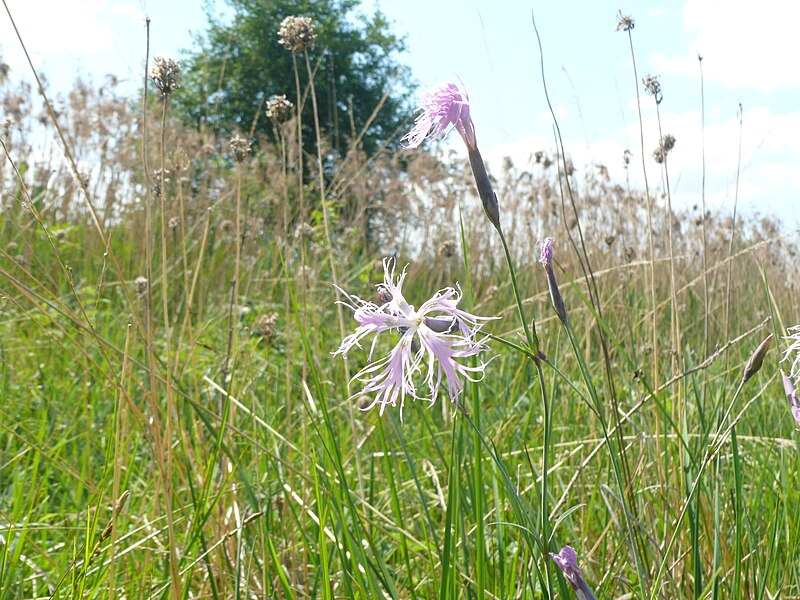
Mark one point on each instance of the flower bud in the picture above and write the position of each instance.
(546, 258)
(753, 365)
(567, 561)
(485, 191)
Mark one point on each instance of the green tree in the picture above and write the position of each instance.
(237, 65)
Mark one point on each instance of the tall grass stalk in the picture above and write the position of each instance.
(643, 154)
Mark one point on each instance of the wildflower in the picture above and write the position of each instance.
(279, 108)
(546, 258)
(567, 561)
(297, 33)
(165, 75)
(753, 365)
(442, 107)
(793, 349)
(446, 107)
(791, 394)
(433, 339)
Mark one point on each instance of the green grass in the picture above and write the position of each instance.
(275, 495)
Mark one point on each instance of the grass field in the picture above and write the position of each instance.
(174, 422)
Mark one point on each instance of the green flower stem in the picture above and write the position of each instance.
(533, 343)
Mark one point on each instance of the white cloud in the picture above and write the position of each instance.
(769, 181)
(560, 111)
(56, 28)
(743, 44)
(134, 13)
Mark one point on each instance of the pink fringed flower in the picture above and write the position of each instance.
(567, 561)
(442, 107)
(791, 395)
(433, 341)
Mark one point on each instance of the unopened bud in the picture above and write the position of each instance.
(753, 365)
(485, 191)
(546, 258)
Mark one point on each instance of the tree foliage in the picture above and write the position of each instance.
(237, 65)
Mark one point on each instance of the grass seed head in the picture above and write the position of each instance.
(297, 33)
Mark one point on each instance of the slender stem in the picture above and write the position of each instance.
(329, 244)
(703, 207)
(675, 326)
(649, 217)
(598, 410)
(301, 191)
(533, 343)
(530, 332)
(167, 446)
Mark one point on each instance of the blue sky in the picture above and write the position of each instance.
(749, 57)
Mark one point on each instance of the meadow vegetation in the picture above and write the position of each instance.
(174, 423)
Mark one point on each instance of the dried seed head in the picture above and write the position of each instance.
(265, 325)
(6, 124)
(180, 160)
(303, 230)
(624, 22)
(279, 109)
(652, 86)
(666, 144)
(447, 249)
(165, 74)
(297, 34)
(156, 180)
(240, 148)
(626, 157)
(173, 223)
(141, 284)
